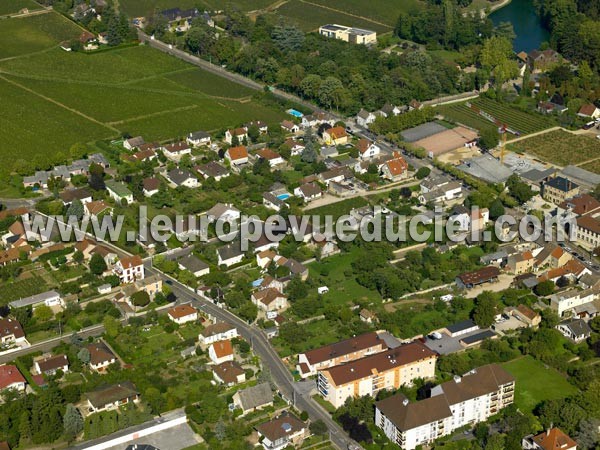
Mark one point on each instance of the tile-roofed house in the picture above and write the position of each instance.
(11, 332)
(477, 277)
(194, 264)
(273, 202)
(367, 149)
(290, 126)
(271, 156)
(335, 175)
(589, 110)
(296, 147)
(150, 186)
(112, 397)
(386, 370)
(213, 169)
(220, 351)
(217, 332)
(181, 314)
(100, 356)
(520, 263)
(237, 155)
(253, 398)
(550, 439)
(262, 126)
(581, 205)
(526, 315)
(49, 364)
(339, 352)
(81, 194)
(308, 191)
(223, 211)
(270, 299)
(176, 150)
(335, 136)
(587, 232)
(129, 269)
(230, 254)
(281, 432)
(364, 118)
(182, 177)
(239, 133)
(575, 329)
(96, 208)
(133, 142)
(395, 169)
(11, 378)
(228, 373)
(147, 154)
(198, 138)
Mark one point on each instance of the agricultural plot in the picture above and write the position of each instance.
(593, 166)
(14, 6)
(385, 11)
(562, 148)
(310, 17)
(521, 121)
(136, 8)
(85, 97)
(20, 36)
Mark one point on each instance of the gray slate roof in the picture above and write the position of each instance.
(255, 396)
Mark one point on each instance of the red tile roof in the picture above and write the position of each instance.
(554, 439)
(131, 261)
(180, 311)
(236, 153)
(9, 375)
(268, 154)
(587, 110)
(223, 348)
(581, 204)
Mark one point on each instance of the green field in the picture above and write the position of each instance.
(35, 33)
(521, 121)
(83, 97)
(385, 11)
(310, 17)
(562, 148)
(14, 6)
(536, 383)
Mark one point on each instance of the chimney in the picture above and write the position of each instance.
(457, 379)
(405, 402)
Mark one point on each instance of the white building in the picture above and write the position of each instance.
(129, 269)
(570, 299)
(217, 332)
(463, 401)
(182, 314)
(348, 34)
(220, 351)
(50, 298)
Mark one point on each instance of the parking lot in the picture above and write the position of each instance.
(447, 345)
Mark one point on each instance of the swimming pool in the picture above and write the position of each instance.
(295, 113)
(283, 196)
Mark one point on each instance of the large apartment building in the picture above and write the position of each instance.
(466, 400)
(339, 353)
(367, 376)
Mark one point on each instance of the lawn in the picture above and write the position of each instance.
(522, 121)
(536, 383)
(19, 36)
(337, 209)
(22, 288)
(562, 148)
(385, 11)
(593, 166)
(14, 6)
(310, 17)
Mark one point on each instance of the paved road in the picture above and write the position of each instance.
(296, 393)
(44, 346)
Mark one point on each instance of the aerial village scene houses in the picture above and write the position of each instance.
(206, 120)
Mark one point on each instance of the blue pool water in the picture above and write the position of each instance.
(256, 283)
(283, 196)
(295, 113)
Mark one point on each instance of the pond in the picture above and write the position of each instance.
(526, 22)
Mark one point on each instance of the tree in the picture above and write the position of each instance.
(43, 313)
(318, 427)
(97, 177)
(485, 309)
(97, 264)
(423, 172)
(253, 132)
(140, 299)
(111, 326)
(84, 355)
(495, 442)
(309, 154)
(544, 288)
(78, 257)
(489, 138)
(287, 37)
(72, 421)
(496, 209)
(75, 209)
